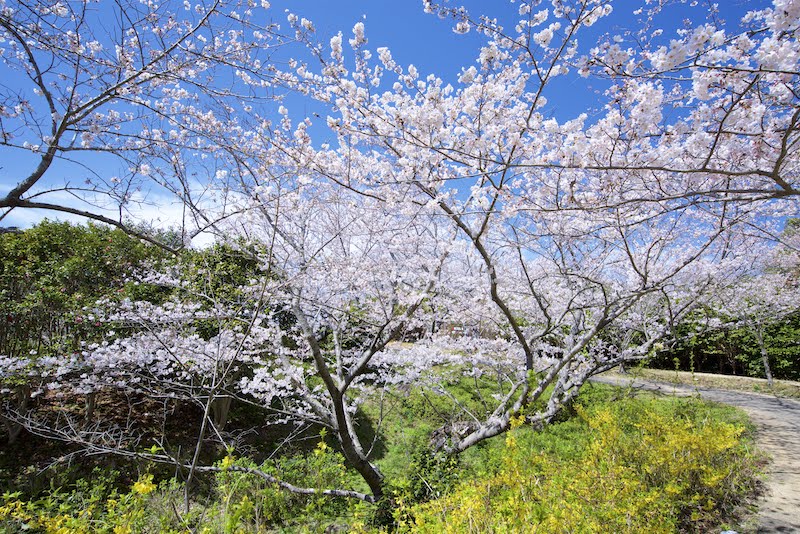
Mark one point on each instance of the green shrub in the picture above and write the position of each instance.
(617, 465)
(91, 506)
(644, 467)
(248, 503)
(239, 502)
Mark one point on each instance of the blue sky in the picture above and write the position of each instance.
(412, 35)
(414, 38)
(429, 43)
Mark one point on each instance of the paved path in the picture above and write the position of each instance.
(778, 423)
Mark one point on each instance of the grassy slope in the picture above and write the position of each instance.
(643, 464)
(233, 501)
(780, 388)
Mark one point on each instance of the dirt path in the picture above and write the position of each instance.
(778, 423)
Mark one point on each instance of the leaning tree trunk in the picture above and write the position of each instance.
(201, 436)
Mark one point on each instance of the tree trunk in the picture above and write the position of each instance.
(759, 332)
(20, 398)
(221, 408)
(352, 451)
(89, 403)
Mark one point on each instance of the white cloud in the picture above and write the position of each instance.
(161, 211)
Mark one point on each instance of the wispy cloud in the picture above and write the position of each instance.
(161, 211)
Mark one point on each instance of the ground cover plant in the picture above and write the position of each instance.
(779, 388)
(633, 465)
(618, 461)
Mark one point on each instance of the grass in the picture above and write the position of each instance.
(589, 469)
(780, 388)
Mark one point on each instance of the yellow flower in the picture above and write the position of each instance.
(227, 462)
(517, 421)
(144, 485)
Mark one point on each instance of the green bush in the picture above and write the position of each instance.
(90, 506)
(247, 503)
(617, 465)
(644, 466)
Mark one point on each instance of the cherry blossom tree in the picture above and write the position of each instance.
(342, 276)
(571, 243)
(764, 295)
(103, 105)
(576, 223)
(354, 277)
